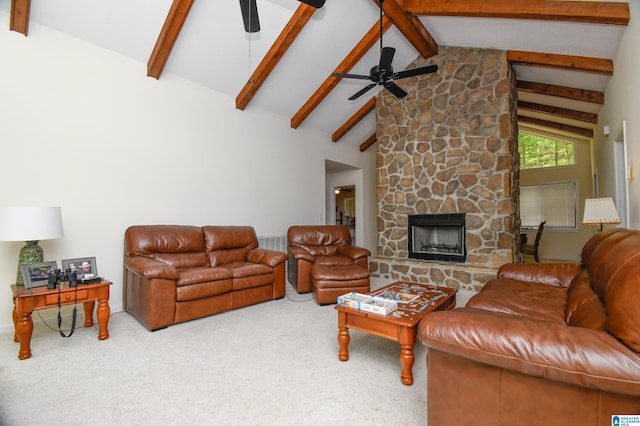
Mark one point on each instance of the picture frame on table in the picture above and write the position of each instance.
(37, 274)
(82, 266)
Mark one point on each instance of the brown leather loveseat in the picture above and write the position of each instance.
(178, 273)
(341, 266)
(542, 344)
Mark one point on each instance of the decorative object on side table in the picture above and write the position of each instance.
(85, 267)
(30, 224)
(37, 274)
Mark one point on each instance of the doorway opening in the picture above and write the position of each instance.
(621, 170)
(345, 202)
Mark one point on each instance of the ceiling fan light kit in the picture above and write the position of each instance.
(383, 74)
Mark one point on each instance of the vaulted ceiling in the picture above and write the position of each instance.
(561, 51)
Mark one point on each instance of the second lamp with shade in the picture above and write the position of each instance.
(30, 224)
(600, 211)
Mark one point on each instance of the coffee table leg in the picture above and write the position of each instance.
(406, 360)
(343, 337)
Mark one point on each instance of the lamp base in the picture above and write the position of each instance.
(30, 253)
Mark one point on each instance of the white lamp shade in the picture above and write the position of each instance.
(30, 223)
(599, 211)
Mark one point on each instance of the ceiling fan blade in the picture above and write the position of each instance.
(363, 91)
(416, 71)
(386, 56)
(249, 11)
(315, 3)
(395, 89)
(358, 76)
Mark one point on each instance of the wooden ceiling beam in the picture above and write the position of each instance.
(587, 117)
(356, 54)
(168, 35)
(366, 144)
(564, 127)
(286, 38)
(19, 16)
(568, 62)
(561, 91)
(596, 12)
(354, 119)
(410, 27)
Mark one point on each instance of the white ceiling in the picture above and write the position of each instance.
(213, 50)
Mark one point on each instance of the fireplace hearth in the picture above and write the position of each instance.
(437, 237)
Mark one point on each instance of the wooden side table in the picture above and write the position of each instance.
(25, 301)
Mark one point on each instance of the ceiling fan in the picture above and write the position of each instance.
(250, 13)
(382, 74)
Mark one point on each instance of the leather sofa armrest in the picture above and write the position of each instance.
(299, 253)
(150, 268)
(574, 355)
(558, 274)
(354, 252)
(267, 257)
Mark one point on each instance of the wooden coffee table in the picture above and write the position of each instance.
(399, 325)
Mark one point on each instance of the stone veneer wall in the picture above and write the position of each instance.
(450, 146)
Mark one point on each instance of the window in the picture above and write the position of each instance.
(556, 203)
(539, 151)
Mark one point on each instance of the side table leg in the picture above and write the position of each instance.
(103, 319)
(15, 325)
(25, 329)
(406, 360)
(88, 313)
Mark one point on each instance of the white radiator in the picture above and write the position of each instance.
(273, 242)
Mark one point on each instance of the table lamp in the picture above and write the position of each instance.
(599, 211)
(30, 224)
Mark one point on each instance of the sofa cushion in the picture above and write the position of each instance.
(526, 299)
(584, 307)
(179, 246)
(202, 275)
(197, 283)
(202, 290)
(249, 275)
(227, 244)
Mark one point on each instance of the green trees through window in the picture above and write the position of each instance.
(538, 152)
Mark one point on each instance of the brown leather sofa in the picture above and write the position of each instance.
(328, 245)
(178, 273)
(542, 344)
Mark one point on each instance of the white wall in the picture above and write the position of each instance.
(84, 128)
(622, 102)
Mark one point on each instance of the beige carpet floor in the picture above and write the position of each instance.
(272, 363)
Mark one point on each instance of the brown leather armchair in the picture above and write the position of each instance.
(321, 245)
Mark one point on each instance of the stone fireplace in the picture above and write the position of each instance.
(449, 148)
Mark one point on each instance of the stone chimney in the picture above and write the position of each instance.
(450, 146)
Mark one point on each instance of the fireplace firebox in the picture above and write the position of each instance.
(437, 237)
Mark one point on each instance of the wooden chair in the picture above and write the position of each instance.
(532, 249)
